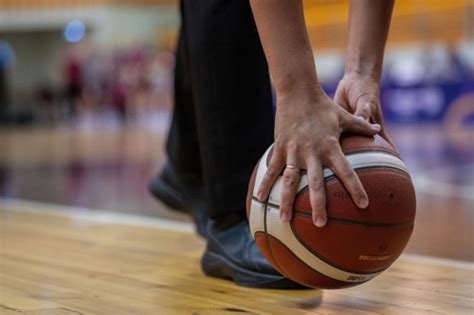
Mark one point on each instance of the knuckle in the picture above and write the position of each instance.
(331, 146)
(271, 171)
(315, 183)
(288, 179)
(264, 186)
(365, 105)
(347, 173)
(265, 183)
(359, 190)
(278, 145)
(332, 142)
(365, 109)
(309, 147)
(372, 104)
(291, 146)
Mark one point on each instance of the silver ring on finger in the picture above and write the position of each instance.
(292, 167)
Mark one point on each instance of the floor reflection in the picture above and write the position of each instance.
(110, 169)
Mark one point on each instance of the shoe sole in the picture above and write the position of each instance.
(214, 265)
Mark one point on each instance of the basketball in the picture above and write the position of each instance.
(356, 244)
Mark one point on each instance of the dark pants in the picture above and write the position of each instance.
(223, 120)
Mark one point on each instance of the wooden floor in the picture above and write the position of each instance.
(60, 260)
(110, 169)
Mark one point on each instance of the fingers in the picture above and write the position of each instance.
(275, 166)
(378, 117)
(340, 99)
(291, 180)
(317, 193)
(358, 124)
(364, 110)
(343, 170)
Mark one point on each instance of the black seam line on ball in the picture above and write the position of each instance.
(363, 169)
(265, 229)
(299, 259)
(352, 222)
(266, 203)
(314, 270)
(326, 260)
(339, 220)
(333, 176)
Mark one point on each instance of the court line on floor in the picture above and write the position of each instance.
(94, 215)
(110, 217)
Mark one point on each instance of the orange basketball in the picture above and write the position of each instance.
(356, 244)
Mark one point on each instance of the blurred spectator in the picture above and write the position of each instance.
(73, 79)
(130, 84)
(46, 103)
(7, 59)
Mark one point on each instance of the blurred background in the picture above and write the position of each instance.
(86, 99)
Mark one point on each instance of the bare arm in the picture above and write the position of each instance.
(369, 22)
(285, 40)
(308, 123)
(359, 90)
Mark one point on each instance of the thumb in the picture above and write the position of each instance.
(359, 125)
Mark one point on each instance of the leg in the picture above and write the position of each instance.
(232, 98)
(233, 106)
(182, 146)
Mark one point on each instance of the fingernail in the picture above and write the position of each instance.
(320, 221)
(285, 216)
(377, 127)
(260, 196)
(364, 203)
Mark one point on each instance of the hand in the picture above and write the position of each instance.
(307, 129)
(360, 95)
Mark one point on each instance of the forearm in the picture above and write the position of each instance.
(284, 37)
(369, 22)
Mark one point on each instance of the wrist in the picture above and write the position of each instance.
(363, 67)
(372, 78)
(301, 93)
(292, 84)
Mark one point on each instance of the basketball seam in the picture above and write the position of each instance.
(333, 176)
(343, 221)
(362, 223)
(309, 267)
(388, 168)
(267, 160)
(265, 232)
(377, 150)
(326, 260)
